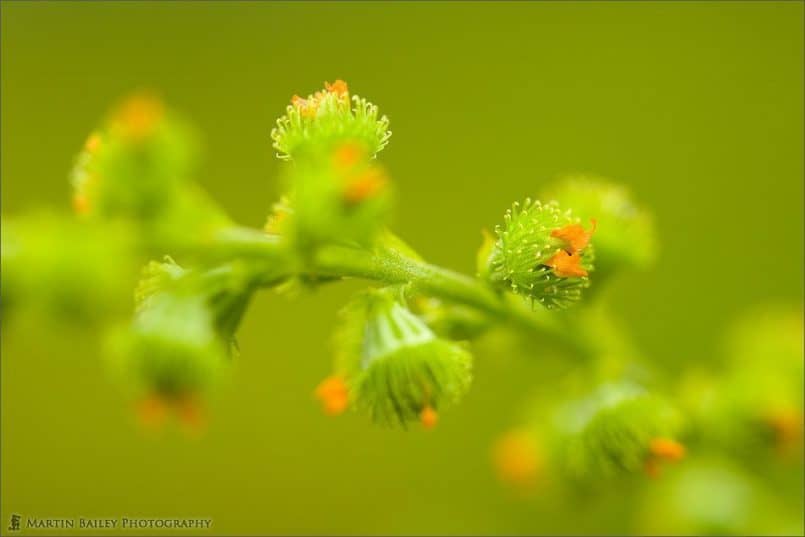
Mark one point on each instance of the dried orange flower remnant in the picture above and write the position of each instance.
(516, 459)
(662, 449)
(348, 155)
(139, 116)
(339, 87)
(365, 186)
(429, 417)
(576, 237)
(154, 410)
(567, 265)
(333, 394)
(309, 106)
(786, 425)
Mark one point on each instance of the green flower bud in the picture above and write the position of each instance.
(754, 406)
(327, 119)
(619, 428)
(542, 253)
(226, 291)
(171, 350)
(396, 369)
(69, 269)
(135, 164)
(136, 168)
(626, 235)
(713, 497)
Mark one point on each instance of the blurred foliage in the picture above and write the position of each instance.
(686, 124)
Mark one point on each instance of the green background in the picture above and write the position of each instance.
(698, 107)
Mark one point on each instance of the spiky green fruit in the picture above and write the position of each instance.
(542, 252)
(328, 118)
(396, 369)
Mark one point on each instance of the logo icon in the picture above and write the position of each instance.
(14, 523)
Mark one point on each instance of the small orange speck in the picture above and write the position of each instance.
(139, 116)
(566, 265)
(80, 204)
(191, 415)
(665, 448)
(576, 237)
(93, 143)
(274, 222)
(652, 467)
(333, 394)
(365, 186)
(152, 412)
(429, 417)
(348, 155)
(307, 107)
(516, 459)
(786, 424)
(339, 87)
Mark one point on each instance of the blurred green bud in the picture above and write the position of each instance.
(394, 367)
(137, 168)
(326, 119)
(712, 497)
(542, 253)
(626, 235)
(135, 164)
(226, 291)
(340, 196)
(619, 428)
(70, 269)
(171, 348)
(755, 404)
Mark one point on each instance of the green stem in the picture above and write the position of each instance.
(389, 266)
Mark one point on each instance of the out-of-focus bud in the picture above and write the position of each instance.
(69, 269)
(753, 406)
(135, 164)
(137, 167)
(172, 353)
(394, 367)
(226, 291)
(341, 196)
(619, 428)
(709, 496)
(626, 235)
(327, 119)
(543, 253)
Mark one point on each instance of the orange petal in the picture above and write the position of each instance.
(348, 155)
(786, 425)
(365, 186)
(665, 448)
(576, 237)
(516, 459)
(152, 412)
(80, 204)
(93, 143)
(339, 87)
(333, 394)
(652, 467)
(191, 415)
(566, 265)
(429, 417)
(139, 116)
